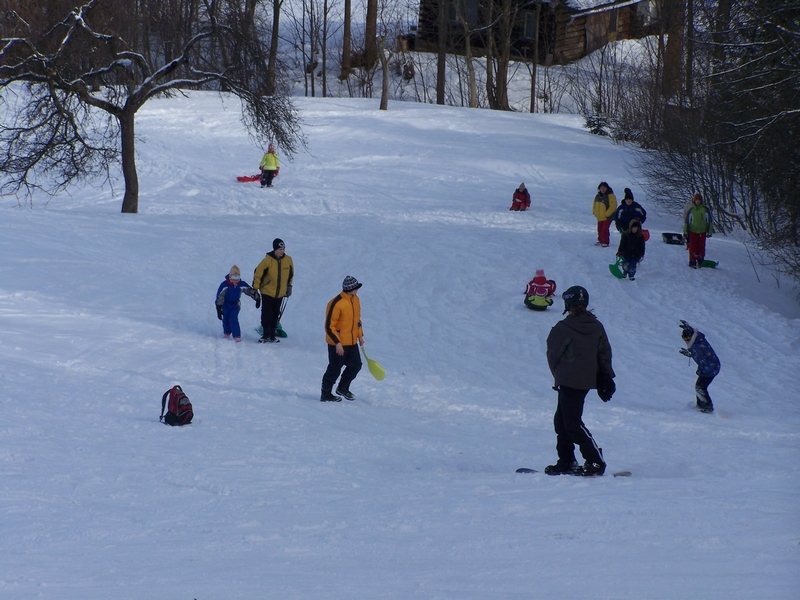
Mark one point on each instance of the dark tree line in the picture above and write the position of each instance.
(73, 77)
(719, 112)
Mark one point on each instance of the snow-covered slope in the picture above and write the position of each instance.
(410, 491)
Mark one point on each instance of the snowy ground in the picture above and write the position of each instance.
(410, 491)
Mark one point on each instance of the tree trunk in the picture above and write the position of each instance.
(441, 62)
(490, 50)
(473, 83)
(385, 68)
(273, 46)
(535, 58)
(130, 202)
(674, 13)
(346, 52)
(371, 35)
(689, 50)
(325, 50)
(504, 58)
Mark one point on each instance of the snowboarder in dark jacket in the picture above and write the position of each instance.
(628, 211)
(579, 357)
(631, 249)
(708, 365)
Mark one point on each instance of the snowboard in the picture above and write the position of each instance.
(617, 474)
(279, 332)
(615, 269)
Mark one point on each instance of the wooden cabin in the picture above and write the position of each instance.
(567, 29)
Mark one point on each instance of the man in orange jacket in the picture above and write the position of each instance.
(342, 330)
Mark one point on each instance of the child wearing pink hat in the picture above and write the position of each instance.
(538, 294)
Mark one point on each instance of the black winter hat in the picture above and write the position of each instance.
(628, 194)
(350, 283)
(278, 243)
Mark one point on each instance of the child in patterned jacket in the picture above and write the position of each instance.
(708, 366)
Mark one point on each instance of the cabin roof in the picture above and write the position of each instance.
(584, 6)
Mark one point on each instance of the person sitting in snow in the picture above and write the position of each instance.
(228, 304)
(538, 294)
(708, 365)
(270, 166)
(628, 211)
(631, 249)
(521, 200)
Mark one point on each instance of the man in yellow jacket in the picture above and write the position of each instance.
(604, 207)
(270, 166)
(273, 279)
(342, 331)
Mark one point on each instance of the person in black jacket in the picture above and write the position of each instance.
(628, 211)
(579, 357)
(631, 249)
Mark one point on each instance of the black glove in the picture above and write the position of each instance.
(605, 386)
(288, 291)
(685, 352)
(219, 311)
(258, 299)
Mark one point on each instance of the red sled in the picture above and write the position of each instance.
(248, 178)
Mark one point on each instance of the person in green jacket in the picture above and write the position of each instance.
(270, 165)
(697, 226)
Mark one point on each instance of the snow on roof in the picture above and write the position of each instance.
(582, 5)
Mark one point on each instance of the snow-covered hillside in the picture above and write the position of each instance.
(410, 491)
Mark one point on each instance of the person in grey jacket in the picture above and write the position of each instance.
(579, 357)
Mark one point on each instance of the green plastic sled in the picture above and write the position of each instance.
(279, 332)
(615, 269)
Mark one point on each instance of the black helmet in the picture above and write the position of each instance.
(575, 296)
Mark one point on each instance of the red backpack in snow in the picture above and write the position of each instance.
(179, 409)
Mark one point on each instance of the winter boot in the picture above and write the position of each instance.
(592, 469)
(563, 468)
(347, 394)
(326, 396)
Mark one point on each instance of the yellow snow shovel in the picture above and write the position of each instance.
(374, 368)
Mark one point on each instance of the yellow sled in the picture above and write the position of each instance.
(374, 368)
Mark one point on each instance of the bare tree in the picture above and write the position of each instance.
(272, 64)
(83, 87)
(441, 63)
(347, 52)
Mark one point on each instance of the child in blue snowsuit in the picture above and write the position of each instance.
(228, 304)
(708, 366)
